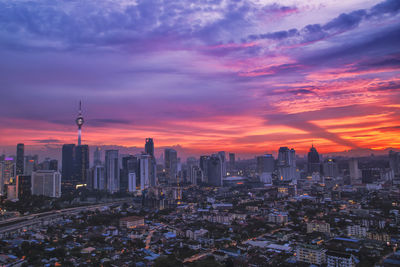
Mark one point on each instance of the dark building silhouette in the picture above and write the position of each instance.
(20, 159)
(24, 186)
(171, 164)
(313, 163)
(394, 161)
(68, 166)
(149, 147)
(204, 167)
(231, 161)
(265, 164)
(53, 165)
(215, 170)
(81, 164)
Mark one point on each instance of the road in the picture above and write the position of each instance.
(15, 224)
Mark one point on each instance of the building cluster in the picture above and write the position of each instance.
(284, 210)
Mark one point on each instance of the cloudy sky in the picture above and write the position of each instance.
(203, 75)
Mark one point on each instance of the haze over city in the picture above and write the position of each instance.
(203, 76)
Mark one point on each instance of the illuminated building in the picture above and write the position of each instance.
(311, 254)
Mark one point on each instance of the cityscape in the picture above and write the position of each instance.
(200, 133)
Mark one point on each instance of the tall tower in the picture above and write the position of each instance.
(79, 121)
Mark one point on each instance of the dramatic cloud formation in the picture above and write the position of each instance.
(202, 75)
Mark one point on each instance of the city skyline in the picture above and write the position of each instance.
(245, 77)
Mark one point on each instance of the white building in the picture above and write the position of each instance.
(338, 259)
(357, 231)
(112, 171)
(144, 171)
(311, 254)
(131, 182)
(46, 183)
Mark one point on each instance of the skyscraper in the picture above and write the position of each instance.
(313, 164)
(149, 147)
(265, 164)
(68, 165)
(394, 161)
(112, 171)
(99, 178)
(97, 156)
(20, 159)
(130, 164)
(145, 166)
(24, 186)
(231, 161)
(354, 171)
(171, 164)
(287, 164)
(204, 167)
(215, 170)
(79, 121)
(46, 183)
(330, 168)
(222, 156)
(81, 164)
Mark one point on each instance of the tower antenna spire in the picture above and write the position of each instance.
(79, 121)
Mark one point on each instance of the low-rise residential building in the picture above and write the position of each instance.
(311, 254)
(318, 226)
(131, 222)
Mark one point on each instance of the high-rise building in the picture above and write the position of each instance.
(79, 121)
(112, 171)
(1, 177)
(354, 171)
(130, 164)
(53, 165)
(287, 164)
(30, 164)
(24, 186)
(394, 161)
(313, 164)
(46, 183)
(265, 164)
(145, 166)
(149, 147)
(20, 159)
(204, 167)
(214, 167)
(97, 156)
(171, 165)
(81, 164)
(330, 168)
(232, 161)
(131, 182)
(68, 166)
(9, 170)
(99, 178)
(222, 156)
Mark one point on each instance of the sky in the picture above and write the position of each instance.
(201, 75)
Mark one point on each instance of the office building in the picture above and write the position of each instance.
(46, 183)
(30, 164)
(9, 170)
(145, 168)
(204, 168)
(265, 164)
(81, 164)
(318, 226)
(12, 192)
(354, 171)
(330, 168)
(130, 164)
(171, 165)
(20, 160)
(112, 171)
(131, 182)
(149, 147)
(214, 168)
(97, 157)
(287, 164)
(394, 162)
(313, 163)
(68, 166)
(232, 161)
(99, 178)
(222, 157)
(24, 186)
